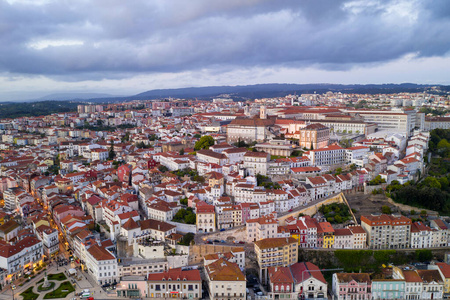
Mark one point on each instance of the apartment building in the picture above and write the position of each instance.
(261, 228)
(256, 163)
(387, 231)
(271, 252)
(206, 217)
(21, 256)
(332, 155)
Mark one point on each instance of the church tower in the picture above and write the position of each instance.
(263, 112)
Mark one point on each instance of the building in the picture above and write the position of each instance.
(309, 281)
(261, 228)
(21, 256)
(333, 155)
(387, 231)
(277, 147)
(272, 252)
(206, 217)
(102, 264)
(388, 288)
(352, 286)
(225, 281)
(175, 283)
(256, 163)
(396, 120)
(249, 130)
(281, 283)
(313, 136)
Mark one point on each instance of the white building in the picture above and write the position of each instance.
(225, 281)
(102, 265)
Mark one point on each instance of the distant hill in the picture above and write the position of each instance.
(73, 96)
(242, 92)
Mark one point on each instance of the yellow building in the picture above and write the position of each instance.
(214, 179)
(271, 252)
(326, 231)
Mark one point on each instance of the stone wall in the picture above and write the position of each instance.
(369, 188)
(311, 210)
(184, 228)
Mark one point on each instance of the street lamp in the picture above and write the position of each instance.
(74, 290)
(13, 288)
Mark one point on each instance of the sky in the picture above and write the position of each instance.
(127, 47)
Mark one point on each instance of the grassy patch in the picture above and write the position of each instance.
(28, 294)
(62, 291)
(57, 276)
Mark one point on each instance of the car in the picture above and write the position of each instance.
(241, 242)
(223, 241)
(290, 210)
(216, 241)
(259, 293)
(209, 242)
(223, 229)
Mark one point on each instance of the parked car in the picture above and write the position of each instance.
(223, 241)
(223, 229)
(216, 241)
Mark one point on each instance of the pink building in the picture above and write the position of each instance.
(352, 286)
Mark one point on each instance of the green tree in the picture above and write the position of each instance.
(112, 153)
(444, 183)
(386, 210)
(163, 168)
(432, 182)
(338, 171)
(424, 255)
(204, 142)
(187, 239)
(126, 137)
(181, 151)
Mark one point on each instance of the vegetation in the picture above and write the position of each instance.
(187, 238)
(364, 260)
(433, 192)
(102, 127)
(29, 295)
(57, 276)
(266, 182)
(111, 152)
(345, 143)
(427, 194)
(386, 210)
(62, 291)
(336, 213)
(435, 112)
(184, 201)
(163, 168)
(33, 109)
(377, 181)
(186, 216)
(204, 142)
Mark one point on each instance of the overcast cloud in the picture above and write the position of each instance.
(132, 46)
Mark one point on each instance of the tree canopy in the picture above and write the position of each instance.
(204, 142)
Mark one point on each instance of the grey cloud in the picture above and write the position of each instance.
(123, 38)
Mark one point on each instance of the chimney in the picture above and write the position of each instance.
(159, 227)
